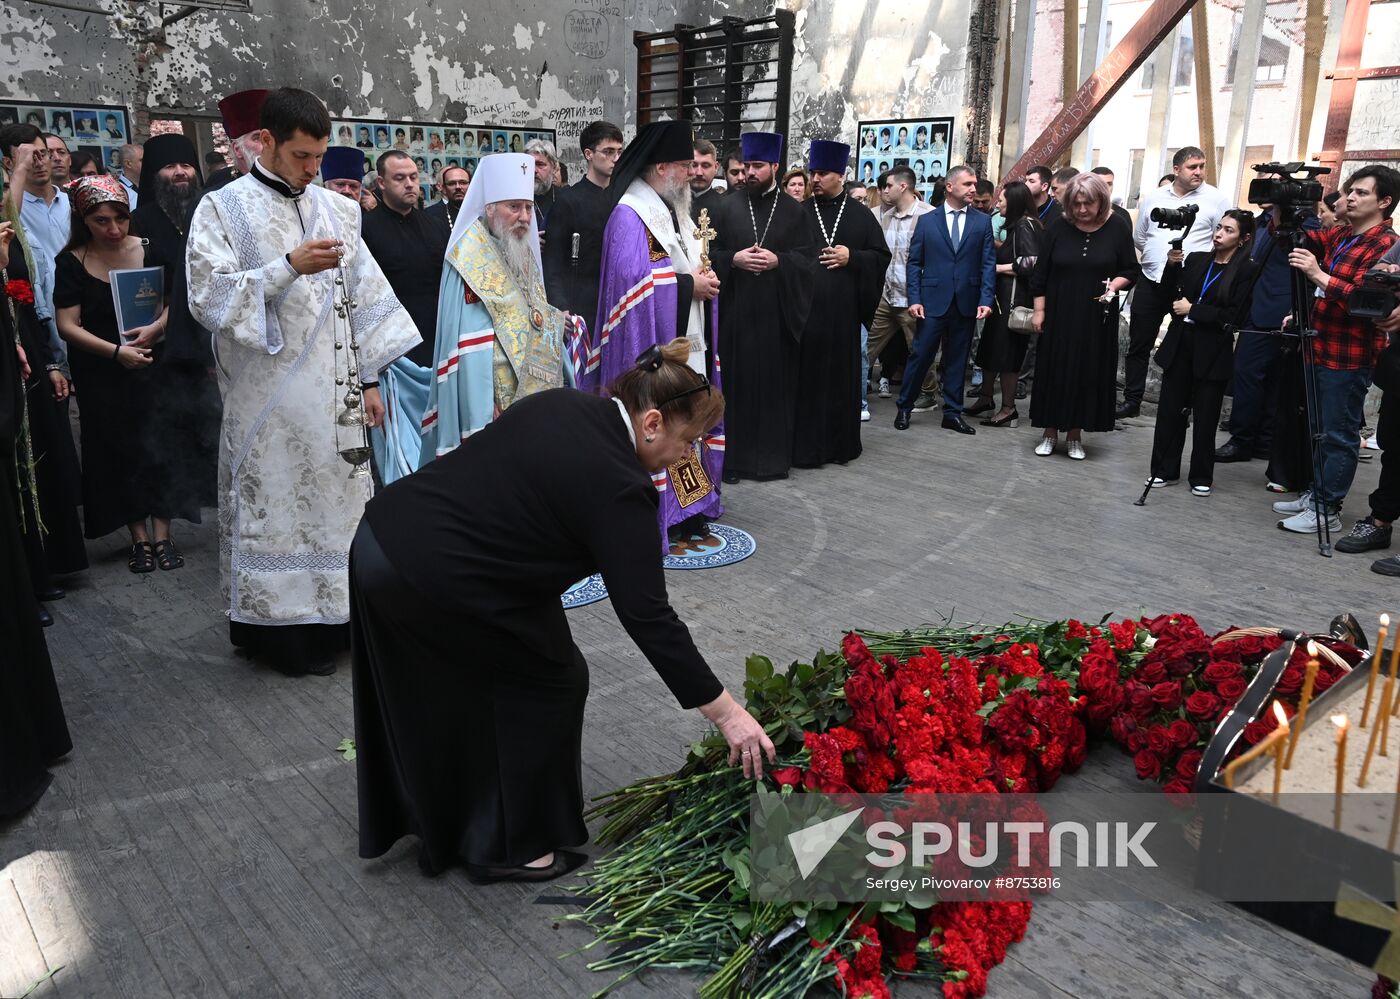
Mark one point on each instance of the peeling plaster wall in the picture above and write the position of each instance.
(867, 60)
(557, 63)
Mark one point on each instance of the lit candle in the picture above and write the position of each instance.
(1341, 722)
(1376, 666)
(1309, 678)
(1280, 736)
(1382, 710)
(1273, 742)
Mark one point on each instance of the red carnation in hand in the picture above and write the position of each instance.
(20, 291)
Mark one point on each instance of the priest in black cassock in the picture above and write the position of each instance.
(852, 256)
(766, 262)
(170, 187)
(573, 255)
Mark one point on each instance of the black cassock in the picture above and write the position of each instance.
(761, 319)
(189, 398)
(570, 279)
(469, 690)
(826, 425)
(33, 731)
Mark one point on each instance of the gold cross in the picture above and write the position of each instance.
(1356, 906)
(704, 233)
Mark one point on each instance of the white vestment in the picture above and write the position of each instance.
(287, 506)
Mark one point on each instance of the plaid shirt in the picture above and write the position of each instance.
(1344, 343)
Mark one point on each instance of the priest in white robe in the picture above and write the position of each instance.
(267, 255)
(498, 338)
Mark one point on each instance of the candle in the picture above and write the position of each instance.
(1280, 735)
(1376, 666)
(1382, 710)
(1341, 722)
(1273, 742)
(1309, 678)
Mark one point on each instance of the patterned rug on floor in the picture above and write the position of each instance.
(585, 592)
(716, 545)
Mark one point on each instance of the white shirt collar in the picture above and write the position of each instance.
(626, 421)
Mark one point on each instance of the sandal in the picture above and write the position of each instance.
(142, 558)
(168, 556)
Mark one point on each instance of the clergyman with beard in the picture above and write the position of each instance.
(654, 288)
(498, 338)
(170, 186)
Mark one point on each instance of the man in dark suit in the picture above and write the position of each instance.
(951, 283)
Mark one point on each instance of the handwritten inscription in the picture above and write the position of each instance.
(586, 33)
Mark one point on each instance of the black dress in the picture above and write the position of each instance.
(127, 461)
(1076, 364)
(1000, 347)
(33, 731)
(469, 690)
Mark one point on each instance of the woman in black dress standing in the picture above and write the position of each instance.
(1086, 261)
(469, 689)
(33, 731)
(1001, 351)
(1212, 291)
(125, 456)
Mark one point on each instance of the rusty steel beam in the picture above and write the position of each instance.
(1154, 25)
(1334, 137)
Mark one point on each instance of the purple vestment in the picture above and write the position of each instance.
(637, 307)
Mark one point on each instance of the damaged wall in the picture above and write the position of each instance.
(547, 62)
(558, 63)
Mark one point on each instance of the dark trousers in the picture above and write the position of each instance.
(958, 343)
(1185, 397)
(1256, 386)
(1385, 501)
(1151, 303)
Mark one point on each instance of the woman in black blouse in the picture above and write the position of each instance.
(469, 690)
(1086, 260)
(1212, 292)
(126, 460)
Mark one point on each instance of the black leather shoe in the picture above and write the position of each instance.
(957, 423)
(1127, 411)
(45, 618)
(901, 419)
(983, 405)
(49, 595)
(730, 479)
(1230, 451)
(564, 862)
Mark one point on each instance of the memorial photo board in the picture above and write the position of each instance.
(925, 145)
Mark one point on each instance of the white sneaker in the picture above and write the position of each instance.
(1076, 451)
(865, 416)
(1159, 483)
(884, 388)
(1303, 502)
(1200, 490)
(1305, 522)
(1045, 447)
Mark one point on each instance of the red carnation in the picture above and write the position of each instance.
(787, 776)
(20, 291)
(1124, 635)
(1076, 629)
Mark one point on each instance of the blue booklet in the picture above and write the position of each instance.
(138, 295)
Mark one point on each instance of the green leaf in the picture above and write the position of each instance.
(742, 920)
(758, 668)
(346, 749)
(985, 711)
(902, 917)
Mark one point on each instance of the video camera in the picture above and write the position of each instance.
(1377, 295)
(1182, 218)
(1294, 196)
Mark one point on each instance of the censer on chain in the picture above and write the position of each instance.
(351, 427)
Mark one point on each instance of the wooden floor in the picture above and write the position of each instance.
(201, 841)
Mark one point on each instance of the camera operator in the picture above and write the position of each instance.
(1151, 300)
(1345, 348)
(1257, 355)
(1374, 531)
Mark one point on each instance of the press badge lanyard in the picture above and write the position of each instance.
(1331, 261)
(1212, 276)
